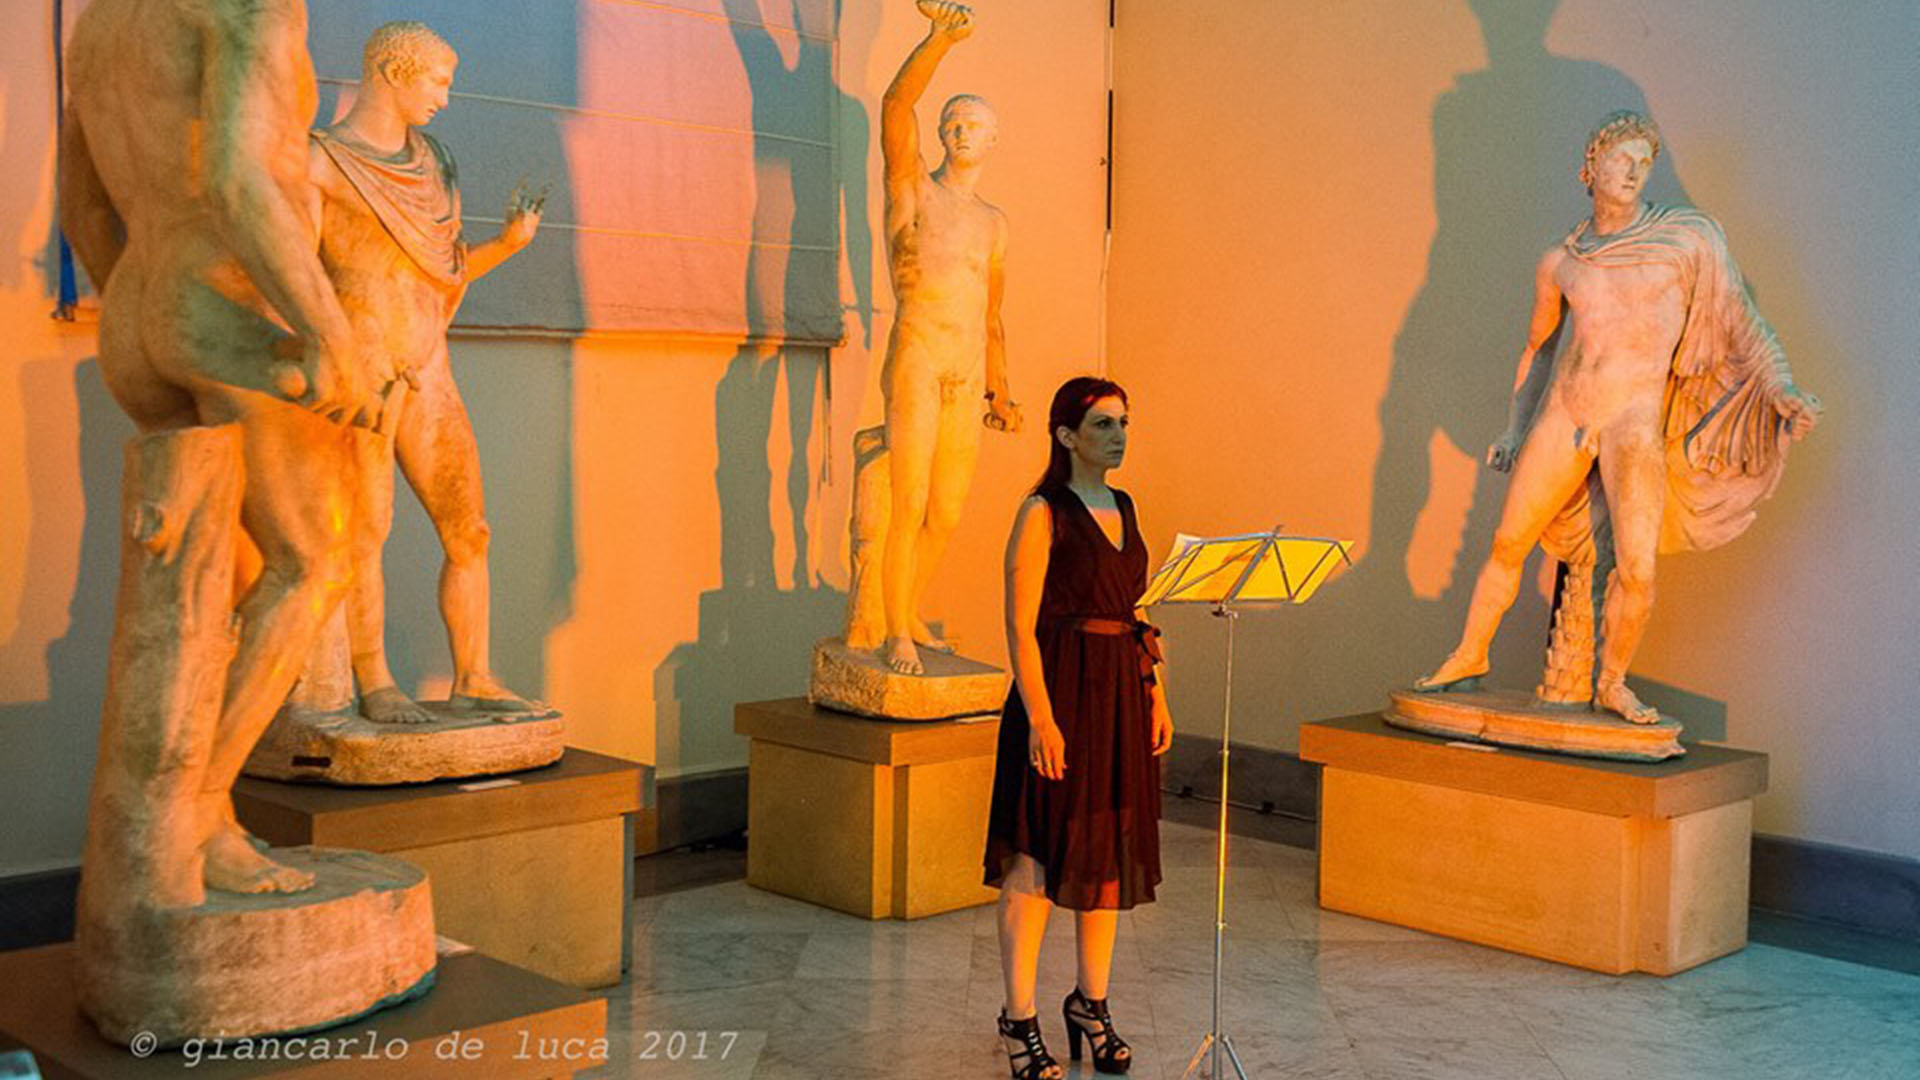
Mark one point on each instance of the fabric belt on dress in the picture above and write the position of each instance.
(1145, 634)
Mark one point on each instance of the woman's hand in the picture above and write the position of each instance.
(1047, 750)
(1162, 726)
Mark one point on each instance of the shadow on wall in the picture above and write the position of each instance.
(76, 663)
(756, 637)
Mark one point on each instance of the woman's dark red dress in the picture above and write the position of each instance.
(1096, 831)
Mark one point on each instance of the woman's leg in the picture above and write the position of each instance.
(1094, 932)
(1086, 1008)
(1024, 909)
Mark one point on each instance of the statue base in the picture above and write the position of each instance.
(348, 749)
(239, 965)
(859, 682)
(1516, 718)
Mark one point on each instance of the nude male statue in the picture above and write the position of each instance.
(946, 250)
(183, 184)
(388, 201)
(1665, 378)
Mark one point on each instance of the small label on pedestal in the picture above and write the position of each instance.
(488, 785)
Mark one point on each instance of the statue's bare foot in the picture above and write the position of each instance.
(925, 638)
(233, 864)
(1456, 673)
(477, 694)
(388, 705)
(1615, 697)
(901, 656)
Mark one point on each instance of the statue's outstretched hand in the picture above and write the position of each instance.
(1504, 449)
(949, 18)
(1799, 410)
(524, 210)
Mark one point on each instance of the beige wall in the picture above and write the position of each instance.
(621, 474)
(1326, 215)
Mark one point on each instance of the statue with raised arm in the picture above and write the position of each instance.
(183, 187)
(391, 239)
(945, 372)
(1652, 412)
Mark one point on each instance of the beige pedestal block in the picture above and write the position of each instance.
(1613, 866)
(877, 819)
(532, 868)
(483, 1019)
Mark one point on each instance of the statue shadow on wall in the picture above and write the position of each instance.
(43, 731)
(756, 636)
(54, 659)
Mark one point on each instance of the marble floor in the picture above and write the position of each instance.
(728, 981)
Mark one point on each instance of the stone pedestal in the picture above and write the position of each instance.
(346, 748)
(1609, 865)
(160, 957)
(239, 965)
(874, 818)
(495, 1020)
(1518, 719)
(859, 682)
(532, 869)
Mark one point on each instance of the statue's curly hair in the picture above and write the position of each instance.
(960, 101)
(404, 49)
(1617, 128)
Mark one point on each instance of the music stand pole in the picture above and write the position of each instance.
(1217, 1040)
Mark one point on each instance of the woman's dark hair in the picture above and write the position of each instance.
(1070, 405)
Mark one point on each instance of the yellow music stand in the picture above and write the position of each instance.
(1255, 568)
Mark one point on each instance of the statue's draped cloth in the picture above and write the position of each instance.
(416, 196)
(1726, 440)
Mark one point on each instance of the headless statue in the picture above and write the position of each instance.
(945, 251)
(183, 189)
(386, 194)
(1666, 386)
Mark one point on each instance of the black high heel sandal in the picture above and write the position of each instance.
(1088, 1018)
(1039, 1065)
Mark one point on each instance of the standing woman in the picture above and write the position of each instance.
(1076, 787)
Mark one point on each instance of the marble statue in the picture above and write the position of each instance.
(389, 207)
(1652, 411)
(388, 201)
(946, 354)
(183, 189)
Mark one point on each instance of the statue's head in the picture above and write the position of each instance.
(968, 128)
(1513, 27)
(1611, 163)
(414, 64)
